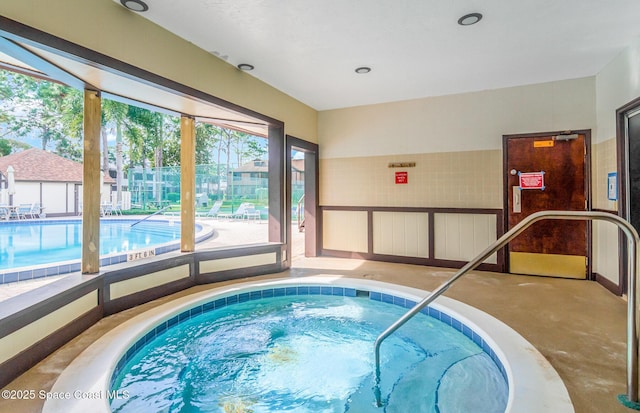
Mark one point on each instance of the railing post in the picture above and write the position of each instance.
(630, 399)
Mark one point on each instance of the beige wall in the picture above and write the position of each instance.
(617, 84)
(605, 235)
(464, 122)
(470, 179)
(456, 142)
(603, 161)
(109, 28)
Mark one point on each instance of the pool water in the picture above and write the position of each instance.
(25, 244)
(309, 354)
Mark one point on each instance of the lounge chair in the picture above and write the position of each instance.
(213, 212)
(250, 213)
(22, 211)
(106, 209)
(238, 213)
(36, 211)
(4, 213)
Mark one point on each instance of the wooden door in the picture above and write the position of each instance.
(553, 168)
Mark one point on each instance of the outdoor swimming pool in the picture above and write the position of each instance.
(41, 243)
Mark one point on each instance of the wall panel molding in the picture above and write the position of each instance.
(389, 231)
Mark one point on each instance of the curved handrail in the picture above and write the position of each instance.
(633, 243)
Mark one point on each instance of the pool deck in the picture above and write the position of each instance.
(577, 325)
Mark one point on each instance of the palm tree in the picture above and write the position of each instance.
(114, 113)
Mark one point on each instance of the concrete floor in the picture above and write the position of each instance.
(577, 325)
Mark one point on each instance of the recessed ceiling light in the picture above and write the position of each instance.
(135, 5)
(245, 66)
(469, 19)
(362, 70)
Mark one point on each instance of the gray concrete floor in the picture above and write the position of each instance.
(577, 325)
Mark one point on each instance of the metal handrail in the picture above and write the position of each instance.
(149, 216)
(633, 243)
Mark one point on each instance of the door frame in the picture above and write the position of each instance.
(587, 186)
(311, 195)
(623, 185)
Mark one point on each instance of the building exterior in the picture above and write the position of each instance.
(48, 179)
(249, 180)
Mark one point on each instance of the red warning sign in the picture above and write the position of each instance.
(531, 180)
(402, 177)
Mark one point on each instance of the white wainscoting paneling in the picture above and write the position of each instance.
(401, 233)
(461, 237)
(345, 231)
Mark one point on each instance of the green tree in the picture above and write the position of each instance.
(256, 147)
(207, 137)
(6, 94)
(5, 147)
(72, 123)
(40, 106)
(114, 118)
(43, 109)
(147, 131)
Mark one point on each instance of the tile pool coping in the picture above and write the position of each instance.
(65, 267)
(534, 385)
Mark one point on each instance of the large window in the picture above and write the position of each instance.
(41, 121)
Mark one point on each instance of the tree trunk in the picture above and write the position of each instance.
(219, 191)
(157, 151)
(119, 163)
(105, 149)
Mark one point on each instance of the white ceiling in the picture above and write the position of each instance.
(310, 48)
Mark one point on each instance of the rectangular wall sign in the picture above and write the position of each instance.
(402, 177)
(531, 180)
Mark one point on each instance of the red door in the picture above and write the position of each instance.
(547, 172)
